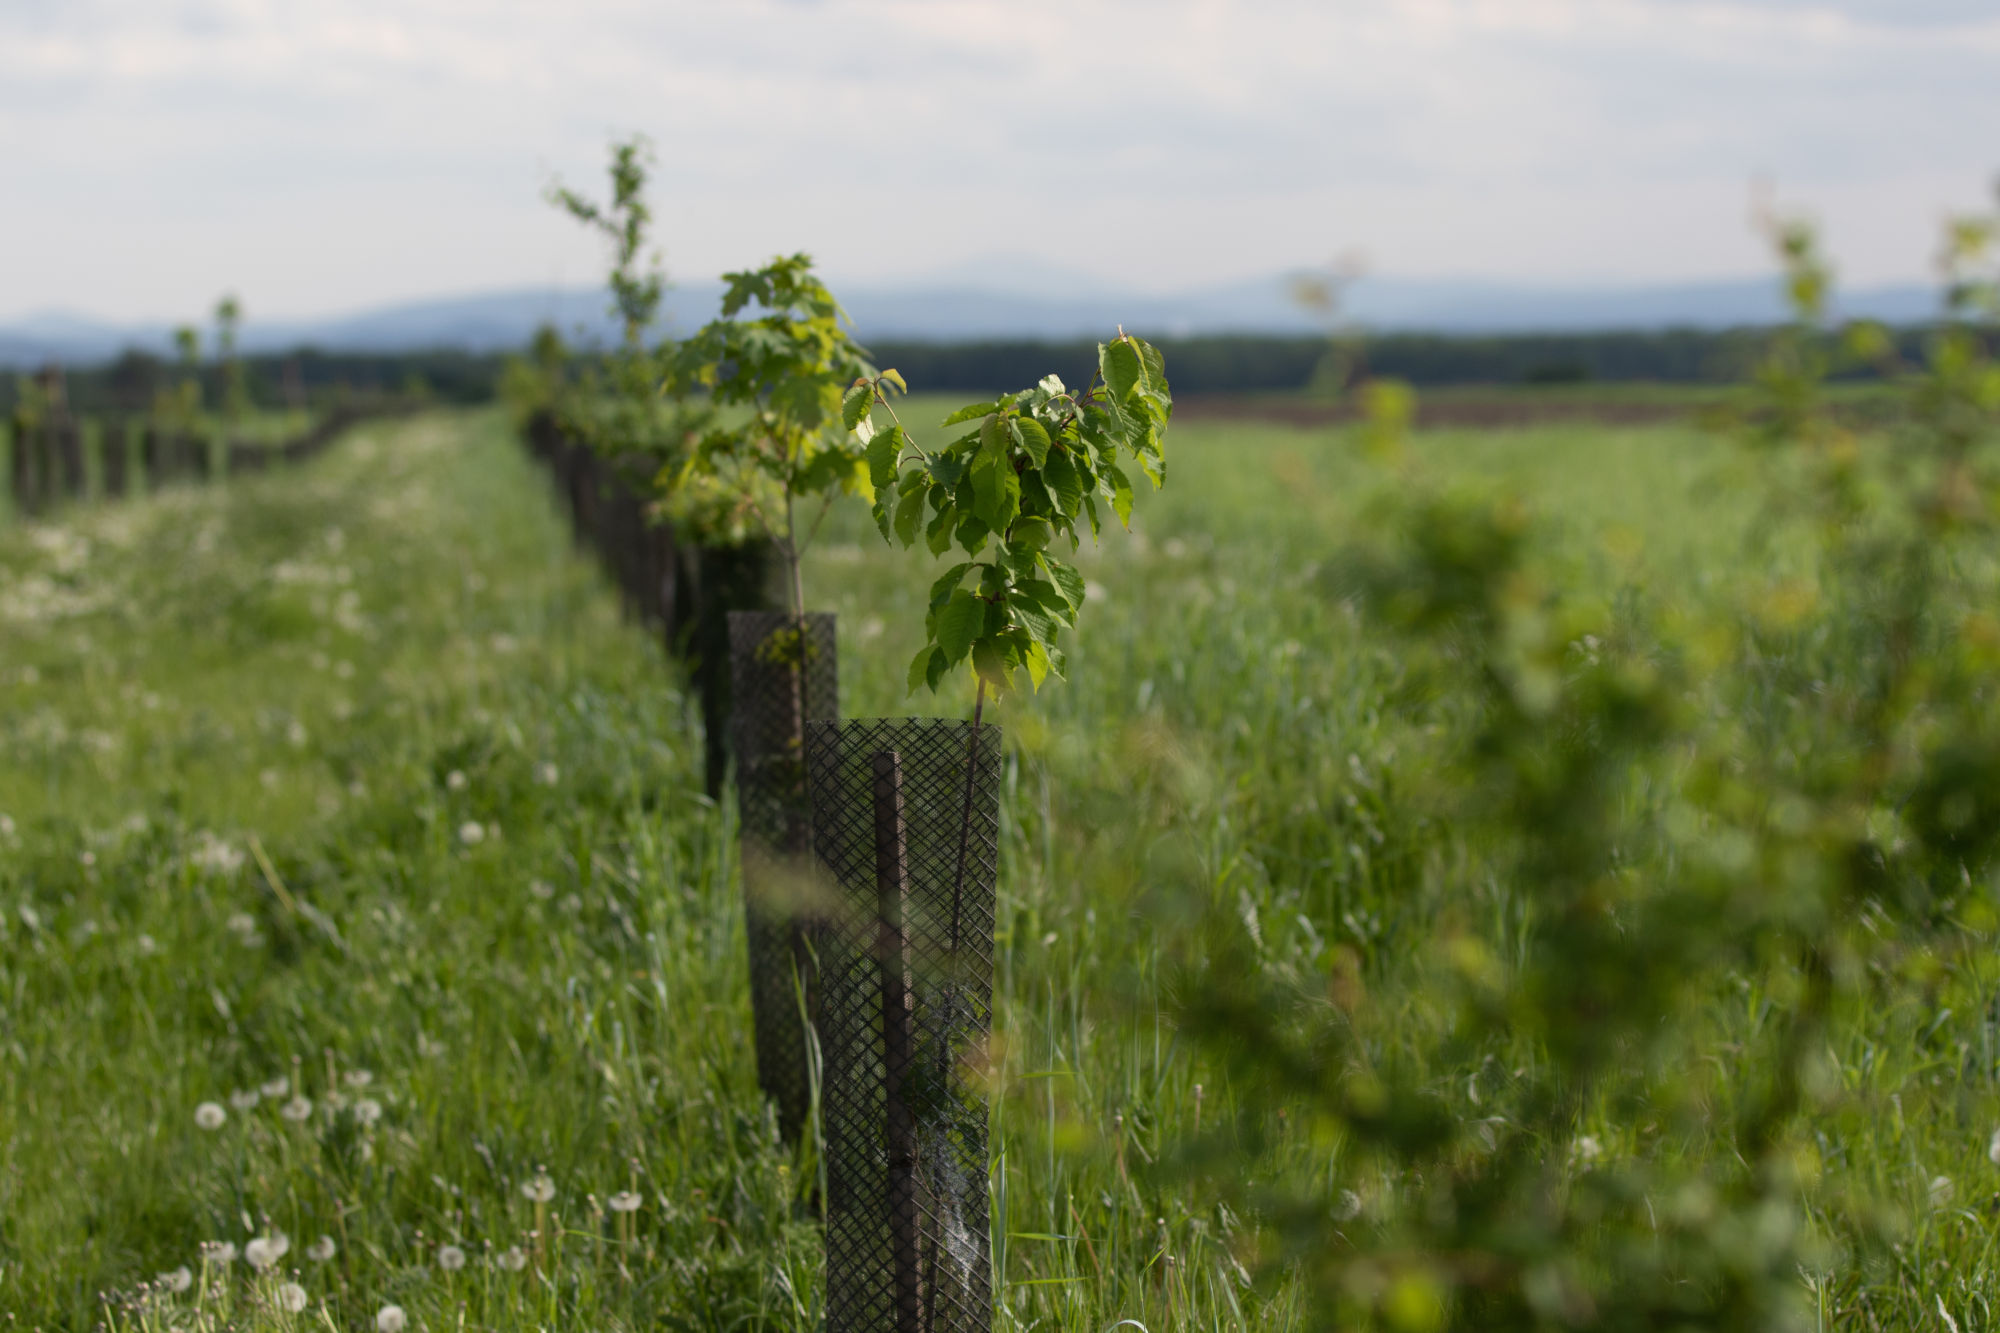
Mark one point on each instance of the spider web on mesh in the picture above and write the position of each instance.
(770, 701)
(907, 1244)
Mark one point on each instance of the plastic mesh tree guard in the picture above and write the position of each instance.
(779, 679)
(905, 819)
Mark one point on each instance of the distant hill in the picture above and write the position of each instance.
(971, 304)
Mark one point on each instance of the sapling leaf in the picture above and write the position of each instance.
(1068, 581)
(974, 411)
(943, 588)
(1036, 660)
(938, 535)
(1065, 487)
(909, 513)
(989, 661)
(1039, 624)
(895, 378)
(1121, 494)
(939, 666)
(883, 451)
(856, 405)
(1029, 533)
(1118, 361)
(1034, 439)
(920, 666)
(959, 623)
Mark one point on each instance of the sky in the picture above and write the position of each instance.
(324, 157)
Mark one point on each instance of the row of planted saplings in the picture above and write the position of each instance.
(56, 458)
(870, 848)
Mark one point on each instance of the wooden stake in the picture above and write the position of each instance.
(892, 891)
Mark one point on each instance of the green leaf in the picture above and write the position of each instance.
(996, 491)
(1048, 596)
(1033, 438)
(1068, 581)
(993, 438)
(945, 586)
(1036, 659)
(909, 514)
(881, 512)
(1030, 533)
(895, 379)
(938, 535)
(959, 623)
(939, 667)
(920, 667)
(1121, 494)
(1041, 626)
(1120, 364)
(973, 411)
(883, 451)
(1059, 475)
(989, 660)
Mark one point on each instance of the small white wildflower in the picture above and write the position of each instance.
(470, 833)
(292, 1298)
(87, 858)
(275, 1087)
(148, 946)
(450, 1258)
(322, 1250)
(242, 923)
(391, 1319)
(6, 827)
(210, 1115)
(367, 1111)
(265, 1251)
(512, 1259)
(298, 1110)
(542, 889)
(1585, 1151)
(221, 1253)
(178, 1280)
(296, 734)
(454, 781)
(1941, 1190)
(625, 1201)
(243, 1099)
(541, 1189)
(1349, 1207)
(572, 904)
(547, 774)
(1993, 1148)
(357, 1078)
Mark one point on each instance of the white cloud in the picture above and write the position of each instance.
(330, 155)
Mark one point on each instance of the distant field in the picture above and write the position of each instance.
(354, 772)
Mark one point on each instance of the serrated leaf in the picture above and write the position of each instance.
(881, 512)
(909, 515)
(1068, 582)
(883, 451)
(920, 668)
(895, 379)
(1065, 486)
(1049, 597)
(973, 411)
(996, 491)
(989, 662)
(1040, 625)
(1120, 364)
(1121, 494)
(939, 668)
(945, 586)
(938, 535)
(959, 622)
(1029, 534)
(1036, 659)
(1034, 438)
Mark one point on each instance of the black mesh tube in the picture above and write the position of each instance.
(778, 679)
(905, 820)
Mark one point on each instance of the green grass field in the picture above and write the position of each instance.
(342, 800)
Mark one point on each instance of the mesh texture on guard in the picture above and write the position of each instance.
(906, 1003)
(775, 687)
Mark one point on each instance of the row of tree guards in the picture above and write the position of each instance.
(870, 857)
(54, 458)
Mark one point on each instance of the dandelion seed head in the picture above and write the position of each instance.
(367, 1111)
(275, 1087)
(547, 774)
(450, 1258)
(180, 1279)
(1585, 1151)
(1993, 1148)
(243, 1099)
(470, 833)
(221, 1253)
(242, 923)
(298, 1110)
(265, 1251)
(625, 1201)
(1941, 1190)
(454, 781)
(292, 1298)
(148, 946)
(391, 1319)
(542, 889)
(210, 1115)
(335, 1101)
(512, 1259)
(357, 1078)
(541, 1189)
(322, 1250)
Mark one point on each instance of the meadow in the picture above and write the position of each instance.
(357, 888)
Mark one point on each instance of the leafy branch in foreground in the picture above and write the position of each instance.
(1035, 469)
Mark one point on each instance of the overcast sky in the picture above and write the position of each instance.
(327, 155)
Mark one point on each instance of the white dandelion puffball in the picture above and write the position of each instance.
(542, 889)
(450, 1258)
(1586, 1151)
(243, 1099)
(265, 1251)
(210, 1115)
(292, 1298)
(541, 1189)
(177, 1281)
(391, 1319)
(298, 1110)
(276, 1087)
(454, 781)
(625, 1201)
(357, 1078)
(335, 1100)
(512, 1259)
(322, 1250)
(547, 774)
(221, 1253)
(1993, 1148)
(367, 1111)
(470, 833)
(1941, 1191)
(242, 923)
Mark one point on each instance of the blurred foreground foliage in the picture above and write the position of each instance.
(1678, 867)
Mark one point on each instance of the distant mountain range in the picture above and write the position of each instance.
(970, 305)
